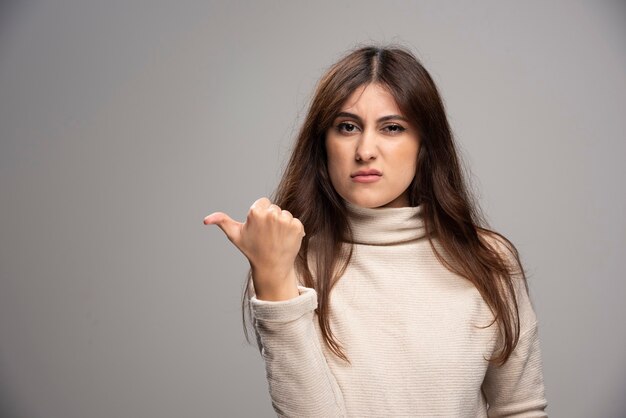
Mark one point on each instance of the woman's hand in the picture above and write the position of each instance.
(270, 239)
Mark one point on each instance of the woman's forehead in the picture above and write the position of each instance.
(371, 100)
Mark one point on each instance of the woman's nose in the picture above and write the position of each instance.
(366, 149)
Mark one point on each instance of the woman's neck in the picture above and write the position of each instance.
(385, 226)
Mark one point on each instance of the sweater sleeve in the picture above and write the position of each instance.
(300, 381)
(516, 389)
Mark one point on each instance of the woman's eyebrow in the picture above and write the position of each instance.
(382, 119)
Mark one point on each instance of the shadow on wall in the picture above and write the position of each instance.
(9, 406)
(10, 11)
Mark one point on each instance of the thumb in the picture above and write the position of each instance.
(231, 228)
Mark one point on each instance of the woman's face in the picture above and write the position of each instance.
(372, 150)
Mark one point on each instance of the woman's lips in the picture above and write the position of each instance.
(366, 175)
(366, 178)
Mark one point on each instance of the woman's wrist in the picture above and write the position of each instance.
(271, 286)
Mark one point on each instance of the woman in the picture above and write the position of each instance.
(397, 301)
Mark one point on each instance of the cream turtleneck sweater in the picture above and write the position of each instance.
(410, 328)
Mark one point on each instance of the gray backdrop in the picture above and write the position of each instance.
(124, 123)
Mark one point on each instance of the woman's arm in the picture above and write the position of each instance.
(300, 381)
(516, 389)
(301, 384)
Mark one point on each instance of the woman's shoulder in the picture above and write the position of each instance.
(501, 244)
(517, 275)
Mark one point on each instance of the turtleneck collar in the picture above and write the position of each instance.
(385, 226)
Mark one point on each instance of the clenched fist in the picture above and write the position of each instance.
(270, 239)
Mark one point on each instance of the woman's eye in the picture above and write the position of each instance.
(346, 127)
(394, 128)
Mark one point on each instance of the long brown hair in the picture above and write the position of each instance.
(451, 217)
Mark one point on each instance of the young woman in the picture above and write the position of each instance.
(398, 300)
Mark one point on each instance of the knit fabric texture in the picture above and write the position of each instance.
(414, 332)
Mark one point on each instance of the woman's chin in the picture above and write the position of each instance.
(368, 203)
(373, 202)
